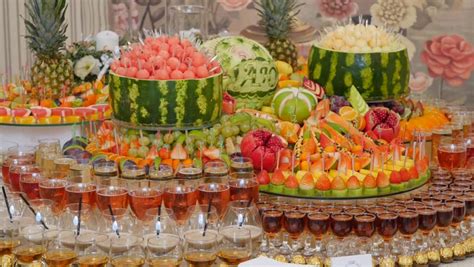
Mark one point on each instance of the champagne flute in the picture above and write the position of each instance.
(236, 245)
(200, 248)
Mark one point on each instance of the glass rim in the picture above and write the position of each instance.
(93, 235)
(158, 237)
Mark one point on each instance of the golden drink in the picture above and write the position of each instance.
(28, 254)
(127, 261)
(233, 256)
(92, 261)
(436, 140)
(200, 259)
(164, 262)
(59, 257)
(6, 246)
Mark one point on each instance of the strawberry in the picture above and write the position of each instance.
(352, 183)
(212, 153)
(382, 180)
(323, 183)
(278, 178)
(413, 172)
(291, 182)
(370, 181)
(307, 182)
(404, 175)
(263, 178)
(338, 183)
(395, 177)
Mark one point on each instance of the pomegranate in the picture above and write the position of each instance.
(262, 147)
(382, 123)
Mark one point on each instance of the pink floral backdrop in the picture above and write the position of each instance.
(440, 33)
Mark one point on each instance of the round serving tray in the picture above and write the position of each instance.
(420, 184)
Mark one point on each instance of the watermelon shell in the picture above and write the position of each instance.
(251, 75)
(378, 76)
(170, 103)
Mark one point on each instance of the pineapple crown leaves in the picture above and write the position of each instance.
(277, 16)
(46, 27)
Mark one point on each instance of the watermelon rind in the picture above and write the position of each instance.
(172, 103)
(250, 74)
(378, 76)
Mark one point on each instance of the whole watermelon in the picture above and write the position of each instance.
(250, 74)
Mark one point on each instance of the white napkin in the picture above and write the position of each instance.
(262, 261)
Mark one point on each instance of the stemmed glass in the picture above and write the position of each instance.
(318, 225)
(88, 251)
(111, 192)
(408, 223)
(444, 218)
(459, 212)
(104, 170)
(294, 224)
(16, 169)
(387, 227)
(117, 220)
(427, 222)
(4, 146)
(364, 228)
(126, 250)
(162, 173)
(143, 195)
(179, 197)
(236, 245)
(272, 222)
(85, 191)
(242, 167)
(54, 190)
(341, 227)
(29, 184)
(199, 216)
(243, 188)
(216, 193)
(133, 172)
(16, 205)
(57, 254)
(69, 220)
(17, 155)
(200, 248)
(9, 238)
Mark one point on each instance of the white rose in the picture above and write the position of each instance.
(85, 66)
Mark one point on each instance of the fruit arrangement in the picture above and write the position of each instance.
(220, 141)
(250, 74)
(87, 102)
(166, 82)
(369, 58)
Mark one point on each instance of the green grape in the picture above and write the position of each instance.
(168, 138)
(225, 118)
(235, 130)
(245, 127)
(144, 141)
(227, 132)
(143, 151)
(213, 132)
(177, 134)
(132, 152)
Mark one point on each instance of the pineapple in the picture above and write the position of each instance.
(277, 18)
(52, 73)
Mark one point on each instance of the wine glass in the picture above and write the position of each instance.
(452, 153)
(216, 193)
(427, 222)
(294, 224)
(16, 205)
(387, 227)
(104, 170)
(179, 197)
(117, 220)
(16, 169)
(57, 254)
(160, 220)
(126, 250)
(200, 248)
(85, 191)
(88, 251)
(408, 223)
(44, 212)
(459, 212)
(161, 173)
(215, 171)
(9, 238)
(111, 192)
(243, 188)
(29, 184)
(54, 190)
(236, 245)
(272, 223)
(4, 146)
(242, 167)
(318, 225)
(69, 219)
(144, 195)
(364, 228)
(32, 246)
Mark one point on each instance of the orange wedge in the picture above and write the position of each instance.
(26, 120)
(348, 113)
(72, 119)
(6, 119)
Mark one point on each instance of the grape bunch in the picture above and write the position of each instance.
(338, 102)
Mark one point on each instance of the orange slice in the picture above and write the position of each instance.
(348, 113)
(26, 120)
(72, 119)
